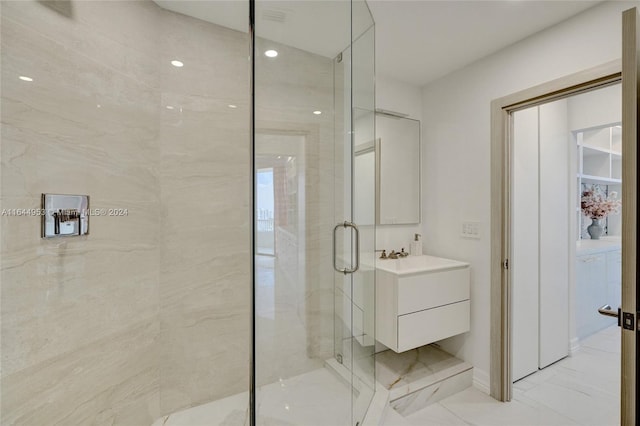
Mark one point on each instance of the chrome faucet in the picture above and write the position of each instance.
(394, 254)
(397, 254)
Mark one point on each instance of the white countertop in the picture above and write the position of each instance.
(604, 244)
(418, 264)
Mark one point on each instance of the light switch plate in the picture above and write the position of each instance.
(471, 230)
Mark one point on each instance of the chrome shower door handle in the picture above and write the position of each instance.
(355, 228)
(335, 265)
(347, 224)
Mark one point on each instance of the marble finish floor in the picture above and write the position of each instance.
(317, 398)
(582, 389)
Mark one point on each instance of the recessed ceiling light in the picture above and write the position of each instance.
(25, 78)
(232, 106)
(169, 107)
(317, 112)
(177, 63)
(271, 53)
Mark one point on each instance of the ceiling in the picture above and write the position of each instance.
(420, 41)
(416, 41)
(317, 26)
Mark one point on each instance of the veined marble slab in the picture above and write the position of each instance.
(438, 391)
(578, 390)
(410, 371)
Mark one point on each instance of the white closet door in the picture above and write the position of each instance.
(524, 237)
(554, 232)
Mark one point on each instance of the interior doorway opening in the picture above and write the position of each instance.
(565, 260)
(503, 242)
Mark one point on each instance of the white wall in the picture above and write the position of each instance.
(597, 108)
(456, 140)
(395, 95)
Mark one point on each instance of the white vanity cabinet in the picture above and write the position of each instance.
(614, 278)
(420, 300)
(598, 283)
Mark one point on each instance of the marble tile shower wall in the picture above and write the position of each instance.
(79, 316)
(150, 312)
(205, 285)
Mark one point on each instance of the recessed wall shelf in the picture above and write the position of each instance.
(599, 155)
(599, 163)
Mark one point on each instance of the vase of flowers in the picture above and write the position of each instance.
(597, 206)
(596, 229)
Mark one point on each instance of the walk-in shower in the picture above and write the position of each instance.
(227, 277)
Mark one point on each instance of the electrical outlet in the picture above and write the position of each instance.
(471, 230)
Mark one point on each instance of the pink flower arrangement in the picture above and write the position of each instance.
(596, 205)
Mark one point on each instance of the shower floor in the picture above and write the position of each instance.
(316, 398)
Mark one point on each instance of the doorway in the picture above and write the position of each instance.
(503, 246)
(501, 252)
(565, 174)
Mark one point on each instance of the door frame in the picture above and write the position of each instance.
(500, 384)
(629, 367)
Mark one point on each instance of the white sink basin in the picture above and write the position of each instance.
(418, 264)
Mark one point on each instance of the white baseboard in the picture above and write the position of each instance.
(574, 346)
(481, 380)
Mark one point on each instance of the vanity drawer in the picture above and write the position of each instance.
(424, 327)
(425, 291)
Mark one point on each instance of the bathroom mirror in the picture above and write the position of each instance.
(398, 169)
(394, 158)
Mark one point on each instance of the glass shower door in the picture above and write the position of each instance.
(363, 209)
(355, 203)
(314, 329)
